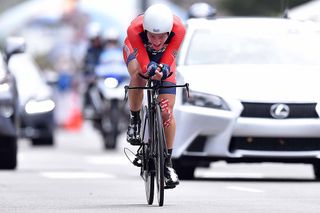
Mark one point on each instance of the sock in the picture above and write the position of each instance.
(168, 160)
(135, 115)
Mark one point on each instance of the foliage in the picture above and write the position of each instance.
(258, 7)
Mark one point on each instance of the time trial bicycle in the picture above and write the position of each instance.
(152, 151)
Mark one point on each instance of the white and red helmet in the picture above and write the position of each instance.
(157, 19)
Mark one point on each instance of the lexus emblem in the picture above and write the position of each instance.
(279, 111)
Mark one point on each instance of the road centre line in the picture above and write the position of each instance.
(108, 160)
(239, 188)
(76, 175)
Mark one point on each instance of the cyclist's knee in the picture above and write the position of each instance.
(166, 112)
(133, 68)
(137, 82)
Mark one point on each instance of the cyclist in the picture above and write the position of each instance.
(95, 47)
(91, 60)
(111, 38)
(112, 48)
(152, 43)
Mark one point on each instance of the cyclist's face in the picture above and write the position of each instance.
(157, 40)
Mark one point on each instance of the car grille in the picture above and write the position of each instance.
(262, 110)
(197, 145)
(274, 144)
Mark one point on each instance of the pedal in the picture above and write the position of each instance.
(172, 186)
(135, 142)
(136, 159)
(136, 162)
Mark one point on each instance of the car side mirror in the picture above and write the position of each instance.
(14, 45)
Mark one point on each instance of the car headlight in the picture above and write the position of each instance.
(6, 110)
(4, 87)
(111, 82)
(39, 106)
(5, 91)
(206, 100)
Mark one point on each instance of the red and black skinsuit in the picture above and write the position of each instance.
(136, 46)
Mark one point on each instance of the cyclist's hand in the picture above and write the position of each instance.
(158, 71)
(165, 69)
(158, 75)
(151, 68)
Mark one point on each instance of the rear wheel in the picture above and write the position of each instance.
(159, 141)
(8, 153)
(45, 141)
(185, 172)
(316, 170)
(110, 126)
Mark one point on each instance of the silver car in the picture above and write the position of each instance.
(254, 93)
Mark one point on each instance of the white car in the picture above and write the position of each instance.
(254, 93)
(36, 99)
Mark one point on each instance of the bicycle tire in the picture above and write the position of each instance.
(159, 141)
(149, 186)
(147, 168)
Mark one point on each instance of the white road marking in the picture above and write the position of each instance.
(21, 156)
(108, 160)
(214, 174)
(76, 175)
(238, 188)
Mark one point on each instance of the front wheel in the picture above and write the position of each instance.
(185, 172)
(110, 132)
(159, 142)
(149, 185)
(110, 140)
(147, 168)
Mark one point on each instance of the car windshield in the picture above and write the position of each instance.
(254, 46)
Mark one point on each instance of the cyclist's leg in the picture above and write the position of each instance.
(135, 96)
(167, 100)
(167, 97)
(167, 104)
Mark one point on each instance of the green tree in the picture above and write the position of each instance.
(258, 7)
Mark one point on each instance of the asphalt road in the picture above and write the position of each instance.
(77, 175)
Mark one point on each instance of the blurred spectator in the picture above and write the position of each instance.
(91, 59)
(111, 38)
(75, 18)
(95, 47)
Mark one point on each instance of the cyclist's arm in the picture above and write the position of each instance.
(133, 34)
(174, 45)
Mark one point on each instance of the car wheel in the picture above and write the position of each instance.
(316, 170)
(8, 156)
(46, 141)
(185, 172)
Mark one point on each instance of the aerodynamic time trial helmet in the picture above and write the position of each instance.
(157, 19)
